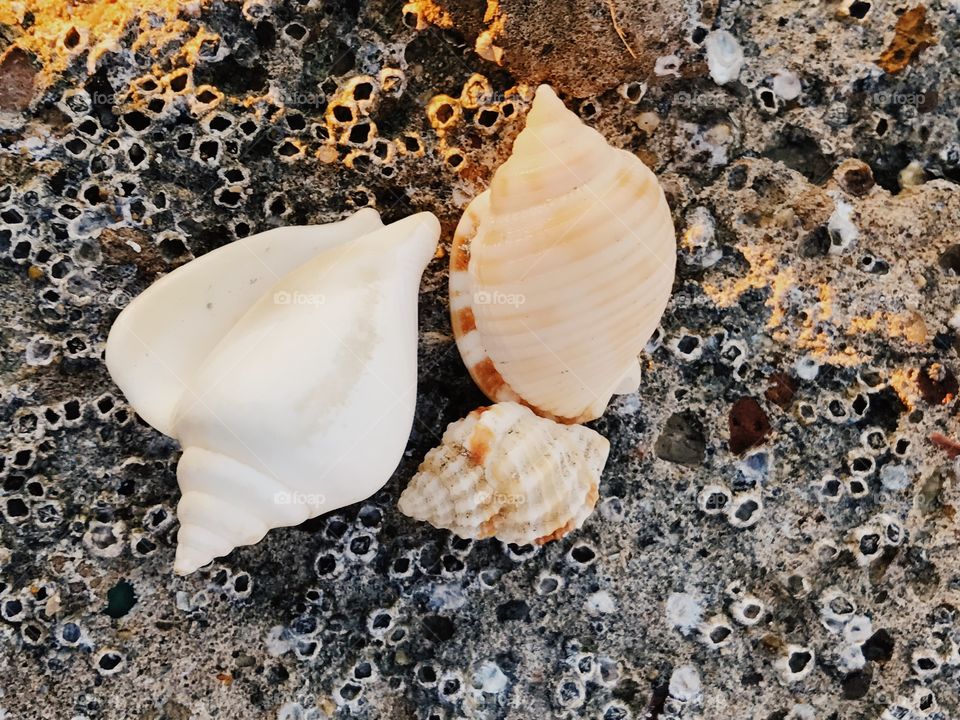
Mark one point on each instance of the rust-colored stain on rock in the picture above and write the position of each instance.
(749, 425)
(17, 76)
(781, 390)
(912, 35)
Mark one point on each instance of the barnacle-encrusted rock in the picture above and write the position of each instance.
(816, 206)
(581, 48)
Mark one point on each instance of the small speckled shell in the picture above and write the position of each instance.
(504, 472)
(559, 273)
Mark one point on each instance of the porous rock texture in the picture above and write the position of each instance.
(776, 535)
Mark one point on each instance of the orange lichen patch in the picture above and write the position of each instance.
(479, 445)
(486, 46)
(763, 273)
(428, 12)
(948, 445)
(909, 325)
(61, 29)
(225, 678)
(17, 79)
(903, 381)
(466, 321)
(859, 325)
(911, 36)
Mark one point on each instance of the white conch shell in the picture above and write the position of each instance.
(559, 273)
(504, 472)
(286, 371)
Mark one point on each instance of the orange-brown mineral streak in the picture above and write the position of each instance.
(465, 321)
(479, 444)
(460, 253)
(488, 377)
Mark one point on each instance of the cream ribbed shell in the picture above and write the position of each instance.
(561, 270)
(504, 472)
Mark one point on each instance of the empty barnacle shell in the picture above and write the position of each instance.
(559, 273)
(285, 364)
(504, 472)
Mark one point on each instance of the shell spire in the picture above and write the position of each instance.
(504, 472)
(561, 270)
(303, 401)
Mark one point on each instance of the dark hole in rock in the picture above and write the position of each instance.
(870, 544)
(120, 599)
(76, 146)
(858, 180)
(857, 684)
(360, 133)
(110, 660)
(145, 546)
(278, 206)
(16, 507)
(737, 178)
(682, 440)
(716, 501)
(342, 113)
(70, 632)
(859, 9)
(815, 243)
(513, 610)
(288, 149)
(137, 120)
(746, 510)
(719, 634)
(799, 660)
(296, 31)
(439, 628)
(937, 384)
(325, 564)
(444, 113)
(487, 118)
(799, 150)
(688, 344)
(583, 554)
(209, 149)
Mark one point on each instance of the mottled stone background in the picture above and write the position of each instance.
(776, 535)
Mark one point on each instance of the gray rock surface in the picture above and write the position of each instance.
(776, 536)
